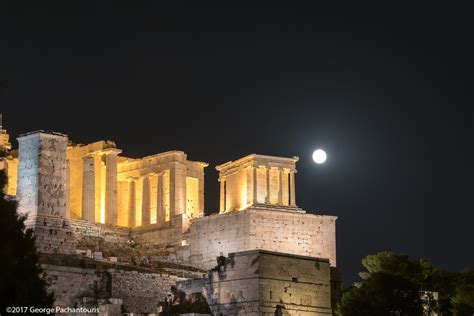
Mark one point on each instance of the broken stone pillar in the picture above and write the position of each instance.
(42, 182)
(111, 198)
(146, 201)
(161, 213)
(88, 189)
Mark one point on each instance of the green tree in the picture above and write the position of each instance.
(21, 282)
(382, 294)
(389, 276)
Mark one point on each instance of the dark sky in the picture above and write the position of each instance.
(386, 91)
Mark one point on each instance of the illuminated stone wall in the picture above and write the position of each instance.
(272, 229)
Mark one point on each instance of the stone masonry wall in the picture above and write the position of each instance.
(261, 228)
(42, 190)
(294, 233)
(93, 283)
(216, 235)
(141, 291)
(111, 240)
(265, 283)
(300, 285)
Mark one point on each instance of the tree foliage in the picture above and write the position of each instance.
(395, 285)
(21, 283)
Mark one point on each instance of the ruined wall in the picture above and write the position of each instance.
(92, 283)
(111, 240)
(300, 285)
(265, 283)
(141, 291)
(160, 236)
(70, 284)
(270, 229)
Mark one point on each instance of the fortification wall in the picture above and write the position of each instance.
(265, 283)
(89, 283)
(276, 230)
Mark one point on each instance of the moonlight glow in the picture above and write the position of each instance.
(319, 156)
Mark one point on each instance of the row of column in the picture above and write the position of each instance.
(252, 185)
(281, 174)
(89, 186)
(111, 197)
(146, 201)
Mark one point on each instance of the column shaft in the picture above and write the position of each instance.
(177, 189)
(267, 176)
(222, 196)
(292, 189)
(280, 186)
(146, 201)
(160, 202)
(255, 185)
(111, 188)
(131, 204)
(88, 189)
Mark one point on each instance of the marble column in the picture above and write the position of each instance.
(88, 189)
(146, 201)
(201, 195)
(292, 189)
(177, 188)
(160, 201)
(111, 205)
(280, 186)
(255, 184)
(132, 202)
(267, 177)
(222, 195)
(68, 189)
(249, 178)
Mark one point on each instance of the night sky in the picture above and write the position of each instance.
(386, 91)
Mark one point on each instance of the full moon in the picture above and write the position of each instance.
(319, 156)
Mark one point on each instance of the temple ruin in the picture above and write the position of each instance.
(133, 236)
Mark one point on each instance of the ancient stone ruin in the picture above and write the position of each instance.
(129, 235)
